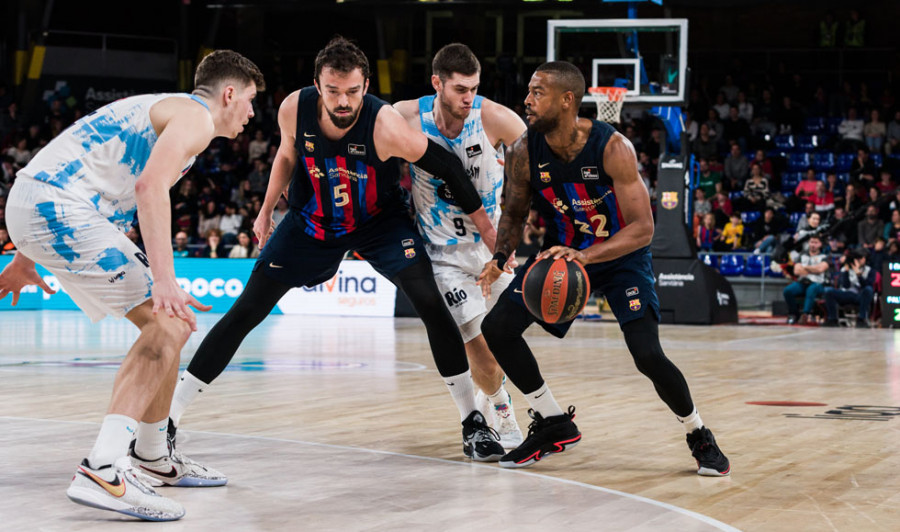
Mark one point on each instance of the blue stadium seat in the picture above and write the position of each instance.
(755, 266)
(845, 161)
(807, 142)
(710, 260)
(823, 161)
(750, 216)
(735, 194)
(731, 265)
(789, 181)
(770, 272)
(795, 218)
(844, 177)
(831, 125)
(877, 159)
(798, 161)
(821, 176)
(784, 142)
(815, 125)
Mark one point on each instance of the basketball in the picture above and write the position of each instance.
(555, 291)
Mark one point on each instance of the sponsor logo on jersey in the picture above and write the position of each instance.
(590, 173)
(560, 205)
(407, 243)
(634, 305)
(456, 297)
(631, 292)
(444, 193)
(473, 150)
(545, 177)
(356, 149)
(309, 145)
(669, 200)
(116, 277)
(410, 252)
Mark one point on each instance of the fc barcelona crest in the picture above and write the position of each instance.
(310, 146)
(410, 253)
(545, 177)
(634, 305)
(669, 200)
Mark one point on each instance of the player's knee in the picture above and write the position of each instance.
(169, 333)
(493, 329)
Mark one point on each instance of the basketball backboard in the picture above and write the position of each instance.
(646, 56)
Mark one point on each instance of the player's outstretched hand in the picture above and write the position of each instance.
(489, 274)
(171, 299)
(17, 275)
(559, 252)
(263, 228)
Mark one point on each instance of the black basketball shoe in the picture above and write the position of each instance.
(480, 442)
(710, 460)
(546, 436)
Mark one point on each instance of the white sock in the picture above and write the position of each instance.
(462, 390)
(112, 442)
(187, 389)
(542, 402)
(692, 422)
(151, 440)
(500, 397)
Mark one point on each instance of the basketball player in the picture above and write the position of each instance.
(69, 210)
(473, 128)
(582, 177)
(339, 152)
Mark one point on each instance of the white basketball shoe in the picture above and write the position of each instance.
(177, 470)
(501, 418)
(125, 494)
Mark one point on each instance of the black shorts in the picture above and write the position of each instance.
(389, 242)
(627, 282)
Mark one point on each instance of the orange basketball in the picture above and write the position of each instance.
(555, 291)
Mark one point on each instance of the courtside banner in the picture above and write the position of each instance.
(356, 290)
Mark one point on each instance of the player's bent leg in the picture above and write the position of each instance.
(642, 339)
(492, 398)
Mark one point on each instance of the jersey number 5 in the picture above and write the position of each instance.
(601, 223)
(341, 197)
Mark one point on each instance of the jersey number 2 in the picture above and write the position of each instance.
(601, 223)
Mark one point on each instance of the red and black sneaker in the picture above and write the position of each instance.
(711, 462)
(546, 436)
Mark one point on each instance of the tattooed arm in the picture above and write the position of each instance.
(515, 212)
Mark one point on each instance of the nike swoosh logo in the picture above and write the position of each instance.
(543, 165)
(516, 291)
(672, 75)
(539, 396)
(117, 490)
(171, 474)
(307, 135)
(273, 265)
(450, 384)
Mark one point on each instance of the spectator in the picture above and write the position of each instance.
(736, 129)
(709, 181)
(810, 225)
(181, 245)
(803, 191)
(870, 228)
(764, 163)
(11, 121)
(828, 29)
(721, 106)
(737, 168)
(704, 145)
(6, 245)
(892, 145)
(852, 201)
(789, 118)
(258, 146)
(209, 218)
(281, 210)
(862, 170)
(892, 230)
(708, 234)
(756, 191)
(855, 31)
(535, 228)
(810, 284)
(184, 206)
(244, 249)
(259, 177)
(729, 89)
(230, 223)
(764, 234)
(835, 186)
(822, 199)
(856, 285)
(885, 184)
(764, 121)
(842, 234)
(690, 127)
(733, 234)
(819, 105)
(702, 206)
(214, 248)
(874, 132)
(721, 207)
(851, 131)
(745, 108)
(19, 153)
(715, 125)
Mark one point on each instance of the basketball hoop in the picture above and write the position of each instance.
(609, 102)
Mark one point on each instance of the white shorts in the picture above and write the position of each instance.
(96, 264)
(456, 269)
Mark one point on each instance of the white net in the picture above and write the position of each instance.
(609, 102)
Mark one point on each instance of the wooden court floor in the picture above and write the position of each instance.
(343, 424)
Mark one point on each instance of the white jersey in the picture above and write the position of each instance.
(98, 158)
(440, 220)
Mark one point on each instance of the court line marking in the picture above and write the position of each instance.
(700, 517)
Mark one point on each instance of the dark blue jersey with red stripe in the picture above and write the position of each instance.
(576, 199)
(339, 185)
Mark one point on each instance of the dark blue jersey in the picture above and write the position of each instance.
(577, 200)
(339, 185)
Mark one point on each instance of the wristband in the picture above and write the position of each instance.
(501, 259)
